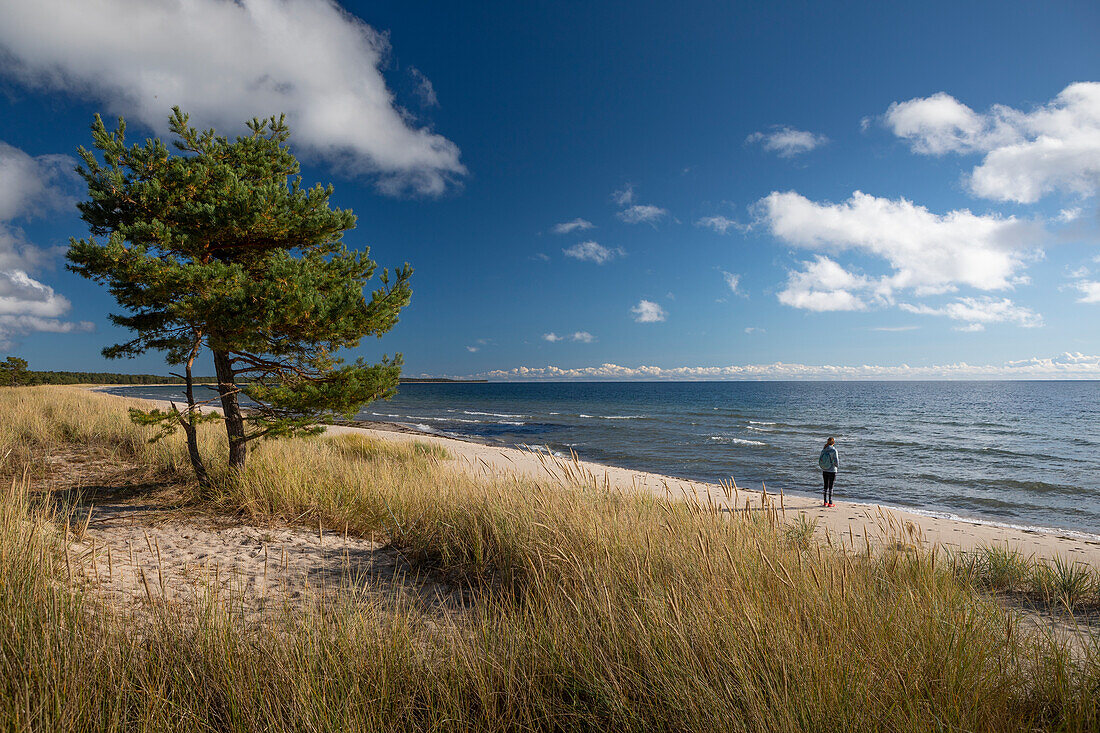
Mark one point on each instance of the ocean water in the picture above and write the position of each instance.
(1018, 453)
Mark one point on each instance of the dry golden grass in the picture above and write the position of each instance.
(595, 611)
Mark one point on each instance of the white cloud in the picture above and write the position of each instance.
(938, 124)
(823, 285)
(976, 313)
(541, 257)
(29, 187)
(1067, 215)
(577, 224)
(754, 329)
(733, 281)
(1054, 147)
(642, 213)
(648, 312)
(473, 349)
(226, 62)
(720, 224)
(425, 90)
(928, 253)
(1064, 366)
(593, 252)
(624, 196)
(15, 326)
(1090, 291)
(583, 337)
(22, 294)
(787, 142)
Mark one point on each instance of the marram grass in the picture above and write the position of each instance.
(592, 611)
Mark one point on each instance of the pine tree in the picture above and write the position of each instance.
(219, 247)
(13, 372)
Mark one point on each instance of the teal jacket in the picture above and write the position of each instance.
(829, 460)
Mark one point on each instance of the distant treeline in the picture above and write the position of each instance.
(33, 377)
(14, 372)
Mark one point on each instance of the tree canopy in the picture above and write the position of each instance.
(13, 372)
(219, 247)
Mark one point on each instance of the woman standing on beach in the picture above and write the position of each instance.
(829, 462)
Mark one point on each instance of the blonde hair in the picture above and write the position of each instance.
(829, 442)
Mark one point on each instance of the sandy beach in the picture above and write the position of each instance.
(852, 523)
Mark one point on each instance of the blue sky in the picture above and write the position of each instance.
(892, 189)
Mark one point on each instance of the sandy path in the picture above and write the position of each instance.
(140, 546)
(135, 560)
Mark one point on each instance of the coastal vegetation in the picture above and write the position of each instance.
(18, 375)
(580, 608)
(29, 377)
(219, 248)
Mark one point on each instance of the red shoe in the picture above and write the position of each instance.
(830, 505)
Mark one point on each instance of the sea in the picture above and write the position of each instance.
(1014, 453)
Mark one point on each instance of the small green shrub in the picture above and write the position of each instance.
(800, 533)
(1063, 581)
(1002, 568)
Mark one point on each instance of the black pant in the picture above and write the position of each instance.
(827, 492)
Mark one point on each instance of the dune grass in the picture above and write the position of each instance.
(594, 611)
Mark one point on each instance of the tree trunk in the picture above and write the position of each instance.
(192, 433)
(234, 420)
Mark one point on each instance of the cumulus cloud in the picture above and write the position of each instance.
(552, 337)
(1090, 291)
(720, 224)
(1064, 366)
(593, 252)
(929, 253)
(29, 187)
(473, 349)
(648, 312)
(22, 294)
(577, 225)
(226, 62)
(642, 213)
(1027, 154)
(823, 285)
(14, 326)
(787, 142)
(977, 313)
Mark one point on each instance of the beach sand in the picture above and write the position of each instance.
(848, 522)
